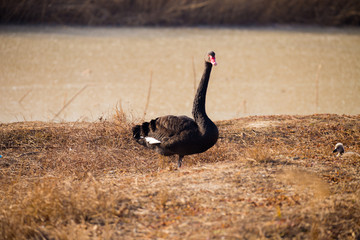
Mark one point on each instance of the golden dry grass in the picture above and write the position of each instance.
(267, 177)
(184, 12)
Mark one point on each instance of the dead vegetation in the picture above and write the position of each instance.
(268, 177)
(184, 12)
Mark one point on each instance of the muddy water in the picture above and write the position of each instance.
(76, 74)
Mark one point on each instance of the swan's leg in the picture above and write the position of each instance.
(180, 161)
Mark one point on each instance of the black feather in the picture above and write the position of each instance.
(136, 131)
(145, 129)
(153, 124)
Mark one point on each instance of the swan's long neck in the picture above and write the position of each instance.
(198, 111)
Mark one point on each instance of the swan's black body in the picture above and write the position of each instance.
(182, 135)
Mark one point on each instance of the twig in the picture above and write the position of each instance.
(244, 106)
(194, 72)
(317, 89)
(28, 153)
(148, 96)
(68, 102)
(22, 98)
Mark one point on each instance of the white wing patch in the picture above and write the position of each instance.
(152, 140)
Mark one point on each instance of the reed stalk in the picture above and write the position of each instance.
(148, 96)
(69, 102)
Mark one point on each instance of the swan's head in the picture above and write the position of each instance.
(339, 148)
(210, 57)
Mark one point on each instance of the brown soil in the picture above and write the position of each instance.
(267, 177)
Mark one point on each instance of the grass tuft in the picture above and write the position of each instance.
(260, 155)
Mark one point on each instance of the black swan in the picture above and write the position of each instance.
(181, 135)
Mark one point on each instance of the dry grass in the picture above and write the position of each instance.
(267, 177)
(184, 12)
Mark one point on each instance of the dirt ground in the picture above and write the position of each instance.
(268, 177)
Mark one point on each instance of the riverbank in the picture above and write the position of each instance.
(181, 13)
(267, 177)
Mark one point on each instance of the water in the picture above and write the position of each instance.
(75, 74)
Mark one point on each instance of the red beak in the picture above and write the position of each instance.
(212, 60)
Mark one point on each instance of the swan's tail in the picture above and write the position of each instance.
(141, 133)
(136, 132)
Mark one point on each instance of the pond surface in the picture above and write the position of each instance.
(76, 74)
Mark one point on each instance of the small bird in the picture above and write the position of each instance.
(339, 148)
(182, 135)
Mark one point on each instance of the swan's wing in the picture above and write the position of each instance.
(170, 127)
(175, 123)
